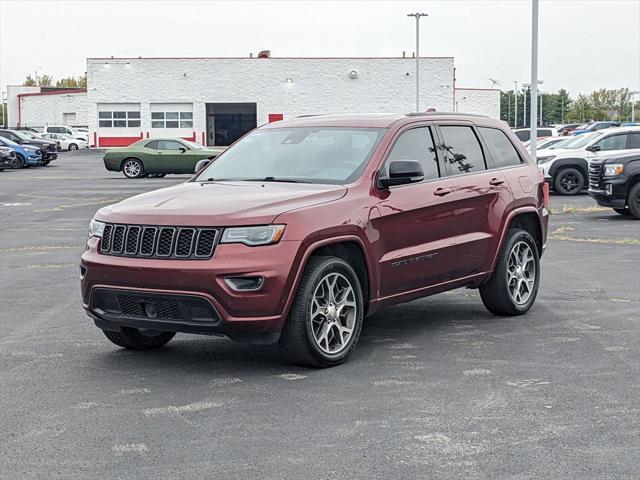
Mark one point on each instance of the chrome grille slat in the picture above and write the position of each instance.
(165, 242)
(595, 175)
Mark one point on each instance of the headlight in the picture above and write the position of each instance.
(546, 159)
(613, 169)
(96, 228)
(253, 236)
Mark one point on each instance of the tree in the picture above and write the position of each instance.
(29, 81)
(73, 82)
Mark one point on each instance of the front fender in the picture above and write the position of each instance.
(575, 162)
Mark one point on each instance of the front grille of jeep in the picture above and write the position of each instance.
(148, 241)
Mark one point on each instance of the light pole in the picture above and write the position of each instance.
(524, 103)
(633, 105)
(534, 76)
(417, 17)
(515, 113)
(527, 86)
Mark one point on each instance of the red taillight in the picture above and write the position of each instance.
(545, 194)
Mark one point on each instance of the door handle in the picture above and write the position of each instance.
(496, 181)
(441, 191)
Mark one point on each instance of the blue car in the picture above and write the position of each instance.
(26, 155)
(593, 126)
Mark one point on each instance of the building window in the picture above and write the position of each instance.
(171, 119)
(118, 119)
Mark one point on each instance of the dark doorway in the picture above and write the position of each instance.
(226, 122)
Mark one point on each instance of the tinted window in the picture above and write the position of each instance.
(523, 135)
(544, 132)
(633, 140)
(462, 150)
(153, 145)
(416, 144)
(169, 145)
(613, 142)
(502, 150)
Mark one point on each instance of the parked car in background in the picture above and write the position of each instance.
(593, 127)
(565, 130)
(65, 142)
(48, 149)
(25, 155)
(567, 169)
(7, 157)
(66, 130)
(524, 134)
(305, 226)
(547, 142)
(157, 157)
(615, 182)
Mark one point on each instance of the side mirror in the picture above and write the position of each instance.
(594, 148)
(182, 149)
(201, 165)
(402, 172)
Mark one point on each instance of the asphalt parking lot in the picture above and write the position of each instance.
(437, 388)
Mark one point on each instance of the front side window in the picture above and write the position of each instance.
(169, 145)
(326, 155)
(462, 150)
(612, 142)
(502, 151)
(416, 144)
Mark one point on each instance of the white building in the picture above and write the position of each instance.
(215, 100)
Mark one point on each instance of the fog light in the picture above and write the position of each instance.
(244, 284)
(83, 272)
(609, 189)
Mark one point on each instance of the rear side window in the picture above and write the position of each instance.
(462, 150)
(416, 144)
(633, 140)
(502, 151)
(543, 132)
(153, 145)
(523, 135)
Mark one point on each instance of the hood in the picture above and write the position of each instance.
(560, 152)
(218, 204)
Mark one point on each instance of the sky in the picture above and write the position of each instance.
(584, 44)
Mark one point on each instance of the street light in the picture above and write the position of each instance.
(525, 87)
(633, 105)
(417, 17)
(534, 75)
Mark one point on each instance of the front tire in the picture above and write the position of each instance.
(325, 320)
(513, 286)
(568, 181)
(134, 339)
(73, 146)
(18, 162)
(633, 201)
(133, 168)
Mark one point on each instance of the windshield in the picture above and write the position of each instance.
(581, 140)
(28, 134)
(309, 154)
(8, 143)
(21, 135)
(561, 143)
(193, 145)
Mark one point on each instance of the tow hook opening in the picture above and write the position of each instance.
(244, 284)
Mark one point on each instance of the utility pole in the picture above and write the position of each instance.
(541, 123)
(515, 113)
(417, 17)
(534, 76)
(633, 105)
(524, 103)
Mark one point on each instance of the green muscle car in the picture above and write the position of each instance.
(155, 157)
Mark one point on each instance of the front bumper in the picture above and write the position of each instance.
(251, 315)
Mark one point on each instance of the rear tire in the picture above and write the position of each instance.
(134, 339)
(633, 201)
(568, 181)
(325, 320)
(133, 168)
(513, 286)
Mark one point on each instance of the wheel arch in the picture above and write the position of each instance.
(579, 163)
(526, 218)
(350, 248)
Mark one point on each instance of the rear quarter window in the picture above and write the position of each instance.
(501, 149)
(523, 135)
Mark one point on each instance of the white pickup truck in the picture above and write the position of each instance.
(66, 130)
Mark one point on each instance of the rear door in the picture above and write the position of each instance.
(414, 221)
(481, 195)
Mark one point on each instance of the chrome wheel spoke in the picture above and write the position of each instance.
(521, 273)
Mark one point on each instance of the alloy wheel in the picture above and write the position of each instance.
(521, 273)
(132, 168)
(333, 313)
(570, 182)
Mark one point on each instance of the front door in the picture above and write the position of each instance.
(172, 157)
(479, 198)
(414, 221)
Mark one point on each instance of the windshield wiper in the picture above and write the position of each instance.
(274, 179)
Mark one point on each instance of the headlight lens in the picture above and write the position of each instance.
(253, 236)
(613, 169)
(546, 159)
(96, 228)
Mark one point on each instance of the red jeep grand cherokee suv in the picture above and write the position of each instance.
(303, 227)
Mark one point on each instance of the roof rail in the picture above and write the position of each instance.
(420, 114)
